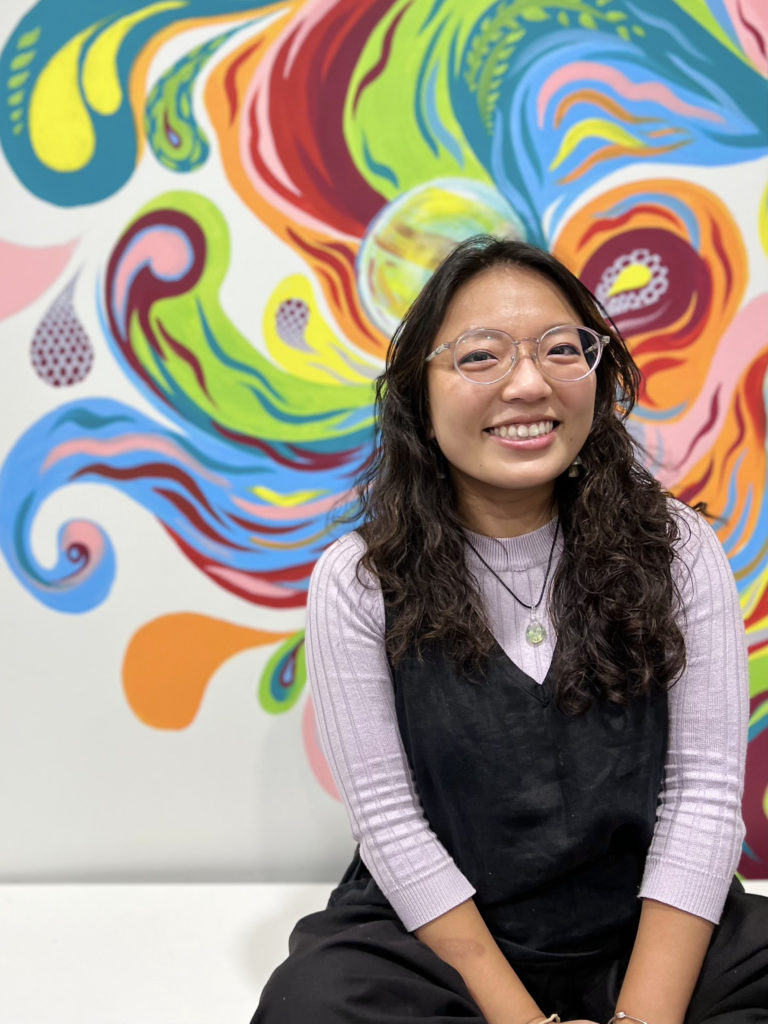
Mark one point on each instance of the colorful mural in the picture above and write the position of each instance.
(368, 137)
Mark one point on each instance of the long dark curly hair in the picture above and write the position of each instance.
(613, 599)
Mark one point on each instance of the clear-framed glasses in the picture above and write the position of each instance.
(563, 353)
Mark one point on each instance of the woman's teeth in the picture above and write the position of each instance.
(524, 429)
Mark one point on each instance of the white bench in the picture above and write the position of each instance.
(146, 954)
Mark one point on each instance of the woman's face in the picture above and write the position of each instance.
(487, 468)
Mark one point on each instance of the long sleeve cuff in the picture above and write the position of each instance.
(431, 896)
(696, 892)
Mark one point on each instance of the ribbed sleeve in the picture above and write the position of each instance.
(699, 831)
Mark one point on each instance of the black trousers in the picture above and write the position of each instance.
(358, 965)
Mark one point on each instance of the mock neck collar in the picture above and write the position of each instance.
(523, 552)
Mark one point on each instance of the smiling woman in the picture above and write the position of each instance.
(512, 661)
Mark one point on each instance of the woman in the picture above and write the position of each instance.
(530, 675)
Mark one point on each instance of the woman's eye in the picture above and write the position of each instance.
(564, 349)
(479, 356)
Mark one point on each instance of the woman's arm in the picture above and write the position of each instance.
(666, 960)
(461, 938)
(698, 833)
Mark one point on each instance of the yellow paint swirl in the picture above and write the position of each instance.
(594, 128)
(285, 500)
(101, 83)
(321, 356)
(61, 130)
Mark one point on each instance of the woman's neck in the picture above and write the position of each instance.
(515, 515)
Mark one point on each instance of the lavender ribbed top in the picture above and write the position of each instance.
(698, 834)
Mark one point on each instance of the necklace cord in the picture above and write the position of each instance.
(529, 607)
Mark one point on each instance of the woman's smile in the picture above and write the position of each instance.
(521, 430)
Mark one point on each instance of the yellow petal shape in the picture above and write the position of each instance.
(60, 127)
(635, 276)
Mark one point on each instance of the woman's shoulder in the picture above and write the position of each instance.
(697, 543)
(340, 586)
(339, 563)
(694, 529)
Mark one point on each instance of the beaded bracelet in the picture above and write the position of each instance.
(551, 1019)
(625, 1016)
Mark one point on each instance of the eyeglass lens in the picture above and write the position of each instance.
(564, 353)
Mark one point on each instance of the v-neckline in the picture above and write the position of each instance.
(543, 691)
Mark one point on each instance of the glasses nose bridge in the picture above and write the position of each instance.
(532, 344)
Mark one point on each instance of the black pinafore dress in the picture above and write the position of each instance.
(548, 815)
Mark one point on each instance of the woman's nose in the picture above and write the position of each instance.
(525, 379)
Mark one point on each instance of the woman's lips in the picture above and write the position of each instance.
(514, 440)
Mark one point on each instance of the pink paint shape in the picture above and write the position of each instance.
(685, 441)
(87, 536)
(26, 271)
(315, 756)
(160, 248)
(128, 444)
(581, 72)
(750, 20)
(253, 585)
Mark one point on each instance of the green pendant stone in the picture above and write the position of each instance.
(535, 632)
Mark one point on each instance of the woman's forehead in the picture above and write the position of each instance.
(508, 297)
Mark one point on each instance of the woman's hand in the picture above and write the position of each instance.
(537, 1020)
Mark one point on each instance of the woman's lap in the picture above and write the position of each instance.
(358, 965)
(355, 965)
(733, 985)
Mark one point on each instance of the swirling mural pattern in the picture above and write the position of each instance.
(368, 138)
(71, 134)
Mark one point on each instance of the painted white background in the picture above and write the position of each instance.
(86, 790)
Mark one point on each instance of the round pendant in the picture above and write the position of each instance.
(535, 632)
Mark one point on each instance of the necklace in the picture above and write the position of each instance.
(535, 631)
